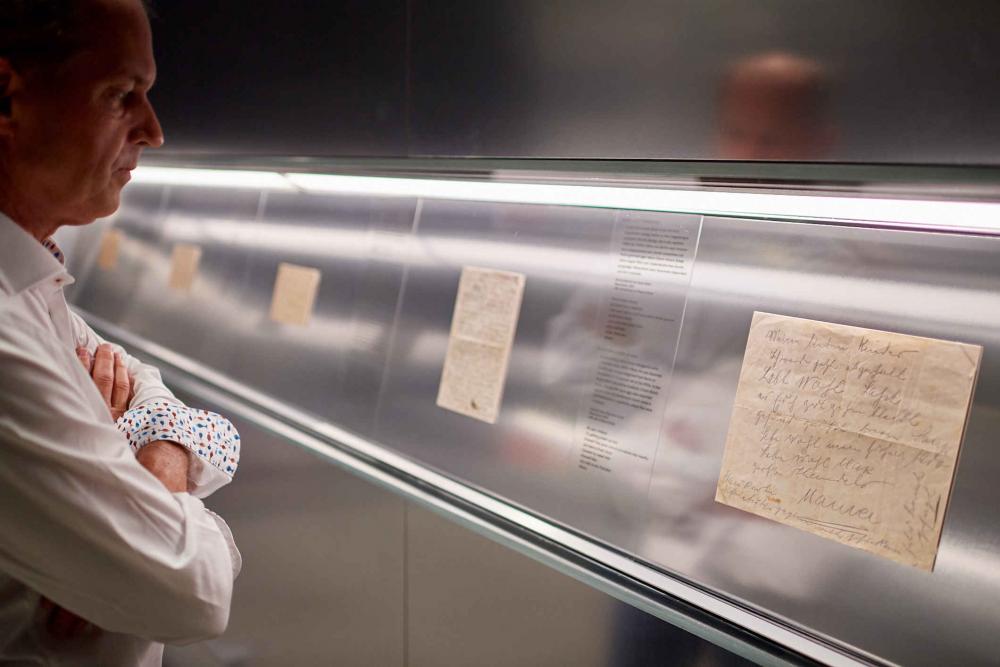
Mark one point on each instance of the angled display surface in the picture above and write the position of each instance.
(410, 253)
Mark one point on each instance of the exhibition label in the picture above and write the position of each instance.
(618, 424)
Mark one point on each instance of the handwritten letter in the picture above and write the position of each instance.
(482, 334)
(184, 266)
(849, 433)
(107, 257)
(295, 290)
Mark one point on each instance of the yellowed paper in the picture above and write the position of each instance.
(107, 257)
(482, 335)
(184, 266)
(295, 290)
(849, 433)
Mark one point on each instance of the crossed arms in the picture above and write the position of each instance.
(87, 525)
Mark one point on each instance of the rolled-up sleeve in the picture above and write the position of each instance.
(211, 439)
(84, 524)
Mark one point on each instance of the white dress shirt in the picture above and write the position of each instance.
(82, 523)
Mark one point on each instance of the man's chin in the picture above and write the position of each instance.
(99, 208)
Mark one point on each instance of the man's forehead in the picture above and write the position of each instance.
(117, 43)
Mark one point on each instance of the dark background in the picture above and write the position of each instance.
(913, 82)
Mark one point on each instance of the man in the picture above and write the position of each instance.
(103, 553)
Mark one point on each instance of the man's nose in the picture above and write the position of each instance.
(147, 131)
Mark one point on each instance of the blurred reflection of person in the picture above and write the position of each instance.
(775, 106)
(684, 530)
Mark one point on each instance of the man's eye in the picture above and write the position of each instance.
(119, 96)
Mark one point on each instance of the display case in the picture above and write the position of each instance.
(661, 265)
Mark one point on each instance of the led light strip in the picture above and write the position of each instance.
(937, 215)
(212, 178)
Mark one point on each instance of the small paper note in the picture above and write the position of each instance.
(482, 335)
(849, 433)
(184, 266)
(295, 290)
(107, 257)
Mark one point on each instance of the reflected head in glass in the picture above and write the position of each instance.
(775, 106)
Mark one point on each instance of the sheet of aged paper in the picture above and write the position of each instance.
(107, 257)
(482, 335)
(184, 266)
(295, 290)
(849, 433)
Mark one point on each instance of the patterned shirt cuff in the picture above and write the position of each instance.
(211, 439)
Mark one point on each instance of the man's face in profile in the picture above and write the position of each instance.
(78, 127)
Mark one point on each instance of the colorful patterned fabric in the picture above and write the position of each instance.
(208, 435)
(51, 246)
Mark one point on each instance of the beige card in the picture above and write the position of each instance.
(295, 290)
(107, 257)
(849, 433)
(184, 266)
(482, 335)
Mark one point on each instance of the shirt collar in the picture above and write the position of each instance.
(24, 262)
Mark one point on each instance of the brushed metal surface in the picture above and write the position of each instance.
(471, 601)
(282, 78)
(887, 82)
(684, 79)
(932, 284)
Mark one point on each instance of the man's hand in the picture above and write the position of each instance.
(166, 460)
(111, 377)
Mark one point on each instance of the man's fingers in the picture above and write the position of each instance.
(120, 390)
(104, 371)
(84, 356)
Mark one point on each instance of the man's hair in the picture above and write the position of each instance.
(43, 32)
